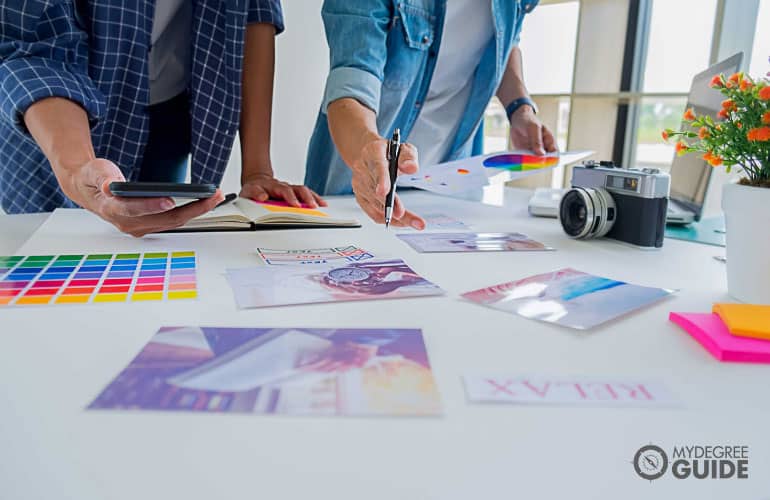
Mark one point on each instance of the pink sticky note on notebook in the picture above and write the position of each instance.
(711, 332)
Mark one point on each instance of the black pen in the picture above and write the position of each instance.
(230, 197)
(394, 149)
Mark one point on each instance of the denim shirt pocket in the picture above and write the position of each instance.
(411, 35)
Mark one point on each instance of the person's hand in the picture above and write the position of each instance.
(263, 187)
(88, 186)
(371, 182)
(527, 132)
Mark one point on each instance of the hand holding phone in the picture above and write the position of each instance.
(162, 189)
(89, 186)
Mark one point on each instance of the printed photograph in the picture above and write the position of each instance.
(568, 298)
(471, 242)
(269, 286)
(289, 371)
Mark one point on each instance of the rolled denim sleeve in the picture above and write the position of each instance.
(44, 53)
(526, 6)
(266, 11)
(356, 32)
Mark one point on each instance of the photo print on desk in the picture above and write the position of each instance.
(349, 253)
(269, 286)
(471, 242)
(437, 221)
(568, 298)
(97, 278)
(281, 371)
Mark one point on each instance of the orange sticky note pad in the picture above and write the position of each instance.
(285, 208)
(745, 320)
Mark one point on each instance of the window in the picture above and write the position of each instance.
(549, 59)
(760, 66)
(578, 70)
(676, 51)
(679, 43)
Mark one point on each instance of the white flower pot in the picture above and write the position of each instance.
(747, 222)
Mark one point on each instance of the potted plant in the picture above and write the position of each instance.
(739, 138)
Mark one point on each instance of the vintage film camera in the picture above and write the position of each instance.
(625, 204)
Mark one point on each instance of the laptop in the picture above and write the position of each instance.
(690, 174)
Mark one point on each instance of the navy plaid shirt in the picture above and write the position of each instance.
(95, 53)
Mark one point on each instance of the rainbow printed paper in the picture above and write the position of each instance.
(520, 162)
(96, 278)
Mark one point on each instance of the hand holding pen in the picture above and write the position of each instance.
(394, 150)
(371, 180)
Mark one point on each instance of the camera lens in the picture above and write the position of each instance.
(587, 212)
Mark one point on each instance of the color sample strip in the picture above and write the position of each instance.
(80, 284)
(519, 162)
(26, 275)
(182, 282)
(97, 278)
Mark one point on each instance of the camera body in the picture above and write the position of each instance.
(625, 204)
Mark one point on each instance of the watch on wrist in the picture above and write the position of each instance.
(517, 103)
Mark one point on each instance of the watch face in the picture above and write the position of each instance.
(348, 274)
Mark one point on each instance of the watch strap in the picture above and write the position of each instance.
(517, 103)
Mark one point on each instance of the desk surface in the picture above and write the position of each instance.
(54, 361)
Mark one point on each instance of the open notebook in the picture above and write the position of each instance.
(248, 215)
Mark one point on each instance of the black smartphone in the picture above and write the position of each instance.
(162, 189)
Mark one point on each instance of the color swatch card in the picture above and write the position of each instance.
(570, 391)
(285, 371)
(568, 298)
(711, 332)
(268, 286)
(350, 253)
(473, 173)
(471, 242)
(96, 278)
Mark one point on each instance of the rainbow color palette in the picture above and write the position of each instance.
(97, 278)
(520, 162)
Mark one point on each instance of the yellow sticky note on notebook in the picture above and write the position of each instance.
(745, 320)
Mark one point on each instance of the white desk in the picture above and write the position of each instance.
(54, 361)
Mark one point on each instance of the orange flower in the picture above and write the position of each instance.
(681, 148)
(708, 156)
(736, 77)
(689, 115)
(766, 118)
(715, 161)
(746, 85)
(716, 82)
(739, 124)
(728, 104)
(703, 133)
(759, 134)
(722, 114)
(664, 134)
(764, 93)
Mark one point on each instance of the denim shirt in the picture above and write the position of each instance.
(382, 53)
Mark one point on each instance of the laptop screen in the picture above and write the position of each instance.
(690, 174)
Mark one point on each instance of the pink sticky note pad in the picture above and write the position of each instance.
(711, 332)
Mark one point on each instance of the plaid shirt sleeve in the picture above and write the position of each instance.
(266, 11)
(43, 53)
